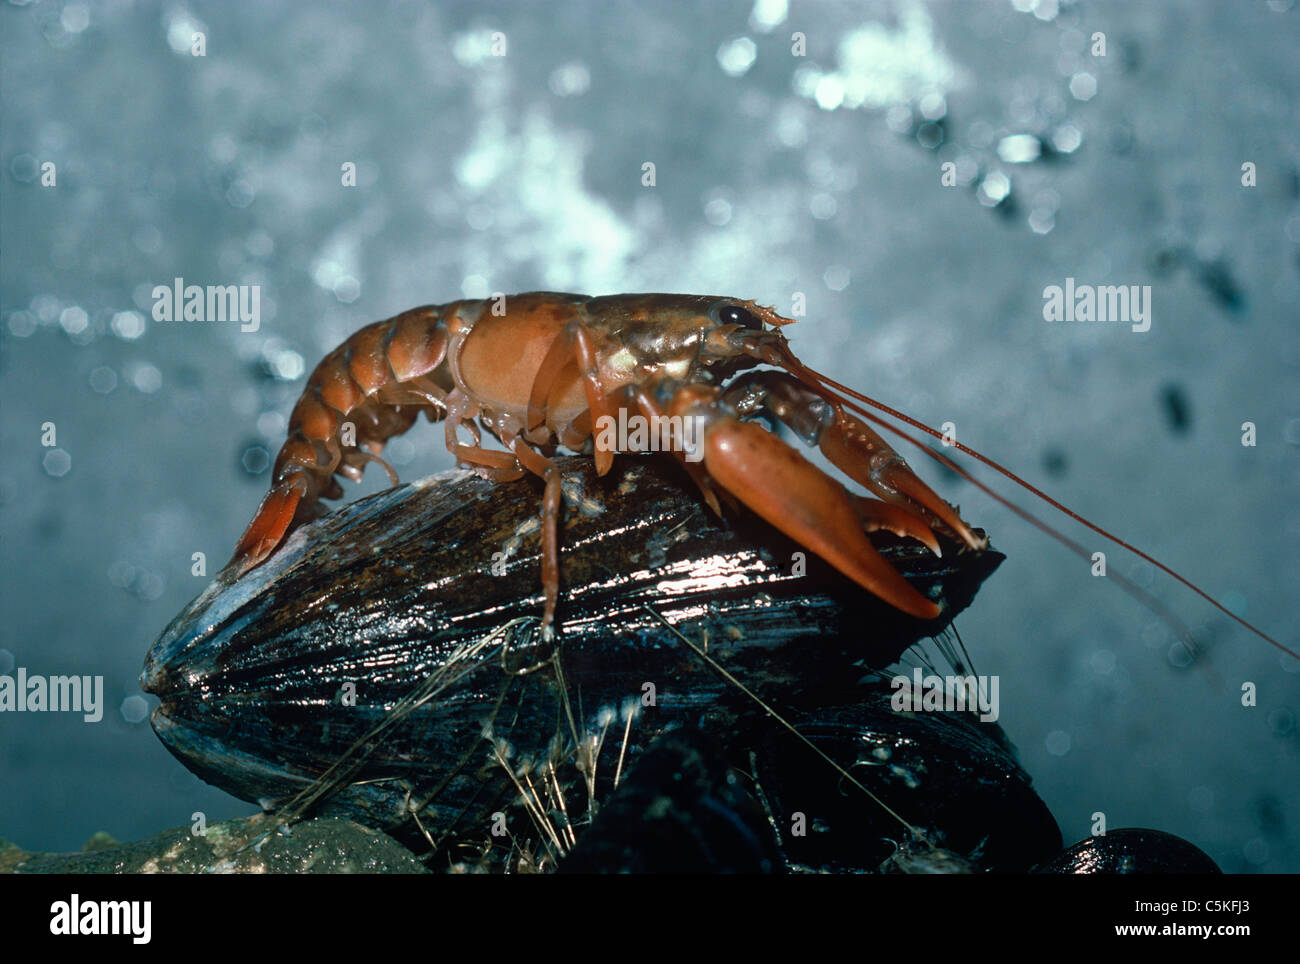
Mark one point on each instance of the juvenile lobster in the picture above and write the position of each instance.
(543, 370)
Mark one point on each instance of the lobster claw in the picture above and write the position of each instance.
(801, 500)
(853, 447)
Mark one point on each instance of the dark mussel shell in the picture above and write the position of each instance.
(377, 668)
(1131, 850)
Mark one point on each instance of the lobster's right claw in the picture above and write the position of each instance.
(801, 500)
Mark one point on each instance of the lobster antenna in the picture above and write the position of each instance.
(1141, 595)
(1133, 589)
(808, 375)
(1033, 490)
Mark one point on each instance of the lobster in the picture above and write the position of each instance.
(543, 370)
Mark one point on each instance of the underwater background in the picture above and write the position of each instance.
(798, 150)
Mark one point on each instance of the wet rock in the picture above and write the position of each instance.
(250, 845)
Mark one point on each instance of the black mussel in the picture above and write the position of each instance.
(386, 665)
(949, 776)
(681, 809)
(1131, 851)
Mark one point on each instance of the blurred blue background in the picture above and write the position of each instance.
(775, 174)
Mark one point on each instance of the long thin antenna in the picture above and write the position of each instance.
(830, 383)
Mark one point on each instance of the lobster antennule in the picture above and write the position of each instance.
(791, 493)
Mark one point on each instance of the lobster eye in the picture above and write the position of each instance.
(736, 315)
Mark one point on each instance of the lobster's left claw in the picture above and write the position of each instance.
(802, 501)
(865, 457)
(877, 515)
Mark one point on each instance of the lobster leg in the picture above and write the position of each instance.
(497, 466)
(575, 343)
(651, 410)
(806, 504)
(541, 466)
(352, 464)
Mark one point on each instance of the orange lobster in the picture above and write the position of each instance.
(542, 370)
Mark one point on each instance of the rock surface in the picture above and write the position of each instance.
(249, 845)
